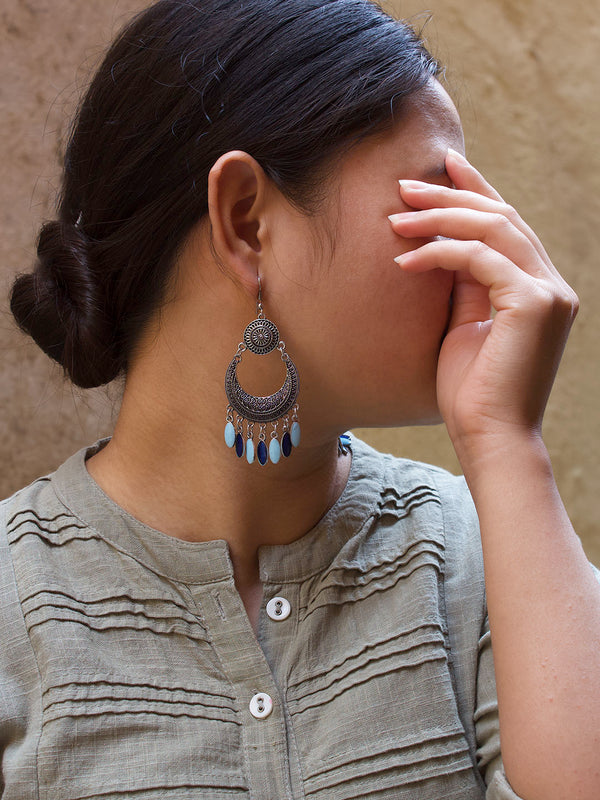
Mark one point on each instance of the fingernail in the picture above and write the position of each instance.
(458, 156)
(414, 186)
(405, 216)
(404, 259)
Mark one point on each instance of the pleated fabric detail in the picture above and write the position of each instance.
(134, 700)
(146, 666)
(375, 656)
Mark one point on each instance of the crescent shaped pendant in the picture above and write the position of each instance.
(262, 409)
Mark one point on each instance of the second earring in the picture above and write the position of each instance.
(262, 336)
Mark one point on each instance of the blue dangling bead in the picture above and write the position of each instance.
(229, 434)
(295, 434)
(344, 443)
(239, 445)
(261, 452)
(274, 451)
(250, 451)
(286, 444)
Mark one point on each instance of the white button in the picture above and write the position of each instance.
(278, 608)
(261, 705)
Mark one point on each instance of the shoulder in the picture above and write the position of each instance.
(25, 518)
(34, 526)
(47, 514)
(30, 506)
(33, 500)
(422, 506)
(29, 516)
(397, 506)
(417, 483)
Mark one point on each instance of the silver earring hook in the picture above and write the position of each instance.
(259, 309)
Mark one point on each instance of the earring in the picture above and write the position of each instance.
(262, 336)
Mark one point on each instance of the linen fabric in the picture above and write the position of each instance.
(128, 664)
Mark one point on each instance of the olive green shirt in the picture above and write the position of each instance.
(129, 669)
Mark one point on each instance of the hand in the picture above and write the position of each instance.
(494, 373)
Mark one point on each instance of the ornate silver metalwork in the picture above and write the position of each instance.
(261, 336)
(262, 409)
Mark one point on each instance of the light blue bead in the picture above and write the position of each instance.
(250, 451)
(295, 434)
(274, 451)
(229, 434)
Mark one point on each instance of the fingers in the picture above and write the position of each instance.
(510, 287)
(484, 241)
(486, 266)
(428, 196)
(471, 191)
(491, 228)
(471, 302)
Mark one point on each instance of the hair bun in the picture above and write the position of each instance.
(60, 305)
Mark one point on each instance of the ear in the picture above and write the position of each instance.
(236, 194)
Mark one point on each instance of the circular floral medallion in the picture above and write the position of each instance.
(261, 336)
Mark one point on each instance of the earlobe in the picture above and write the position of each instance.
(236, 189)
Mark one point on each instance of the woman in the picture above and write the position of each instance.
(290, 614)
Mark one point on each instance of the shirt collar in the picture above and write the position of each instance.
(206, 562)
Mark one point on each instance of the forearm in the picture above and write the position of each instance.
(544, 610)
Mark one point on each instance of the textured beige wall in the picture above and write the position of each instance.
(523, 75)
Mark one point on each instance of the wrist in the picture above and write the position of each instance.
(502, 456)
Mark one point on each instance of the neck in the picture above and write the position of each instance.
(167, 464)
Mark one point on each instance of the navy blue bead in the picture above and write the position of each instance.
(286, 444)
(239, 445)
(262, 453)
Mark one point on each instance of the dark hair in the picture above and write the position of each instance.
(291, 82)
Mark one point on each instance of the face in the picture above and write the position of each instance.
(364, 335)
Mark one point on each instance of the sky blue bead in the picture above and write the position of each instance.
(295, 433)
(250, 450)
(229, 434)
(261, 452)
(274, 451)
